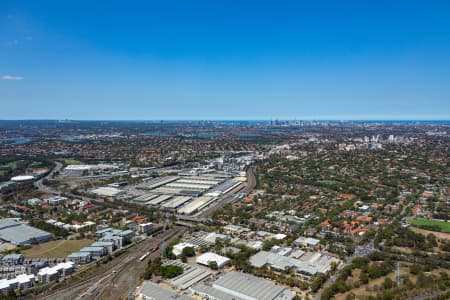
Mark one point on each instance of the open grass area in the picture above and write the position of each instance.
(12, 164)
(443, 226)
(70, 161)
(56, 249)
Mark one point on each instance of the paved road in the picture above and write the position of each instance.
(40, 185)
(251, 180)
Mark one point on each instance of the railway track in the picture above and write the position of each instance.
(125, 281)
(96, 280)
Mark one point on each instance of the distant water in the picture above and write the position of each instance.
(16, 141)
(247, 135)
(206, 135)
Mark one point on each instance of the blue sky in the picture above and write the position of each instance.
(143, 60)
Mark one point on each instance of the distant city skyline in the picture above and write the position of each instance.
(234, 60)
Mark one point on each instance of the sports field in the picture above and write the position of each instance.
(57, 249)
(444, 226)
(70, 161)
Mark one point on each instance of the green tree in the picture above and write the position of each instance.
(213, 265)
(188, 251)
(364, 278)
(388, 283)
(170, 271)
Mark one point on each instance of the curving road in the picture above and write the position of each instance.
(40, 183)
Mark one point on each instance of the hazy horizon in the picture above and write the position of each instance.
(233, 120)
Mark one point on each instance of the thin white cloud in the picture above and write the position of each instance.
(11, 77)
(16, 42)
(12, 43)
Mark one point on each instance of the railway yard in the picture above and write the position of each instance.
(113, 280)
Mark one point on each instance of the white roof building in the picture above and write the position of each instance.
(34, 201)
(279, 236)
(107, 191)
(59, 268)
(310, 264)
(213, 236)
(22, 178)
(23, 279)
(307, 241)
(208, 257)
(255, 245)
(19, 282)
(178, 248)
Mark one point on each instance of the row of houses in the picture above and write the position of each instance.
(110, 239)
(21, 282)
(47, 274)
(85, 226)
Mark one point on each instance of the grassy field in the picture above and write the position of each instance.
(60, 248)
(12, 164)
(70, 161)
(444, 226)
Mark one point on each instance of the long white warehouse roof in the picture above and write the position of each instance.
(176, 202)
(196, 204)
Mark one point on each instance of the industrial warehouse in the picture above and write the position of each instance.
(152, 291)
(309, 263)
(191, 185)
(191, 275)
(17, 233)
(231, 286)
(241, 286)
(184, 193)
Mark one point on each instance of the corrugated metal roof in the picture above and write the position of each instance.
(191, 275)
(153, 291)
(210, 291)
(251, 287)
(78, 254)
(18, 233)
(310, 264)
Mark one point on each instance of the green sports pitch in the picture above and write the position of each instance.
(422, 223)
